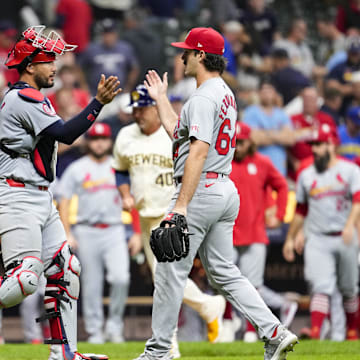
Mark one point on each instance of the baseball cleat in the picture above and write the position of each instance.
(214, 327)
(144, 356)
(92, 356)
(278, 346)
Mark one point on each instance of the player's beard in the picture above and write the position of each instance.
(99, 155)
(321, 162)
(43, 82)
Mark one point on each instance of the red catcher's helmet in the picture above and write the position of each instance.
(36, 47)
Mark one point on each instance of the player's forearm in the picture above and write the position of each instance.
(124, 191)
(67, 132)
(295, 226)
(64, 206)
(167, 114)
(193, 168)
(354, 215)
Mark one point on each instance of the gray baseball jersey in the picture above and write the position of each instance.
(209, 115)
(94, 184)
(21, 122)
(329, 196)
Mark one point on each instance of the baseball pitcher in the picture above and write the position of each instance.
(205, 204)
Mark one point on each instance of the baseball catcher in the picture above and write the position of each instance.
(33, 239)
(170, 241)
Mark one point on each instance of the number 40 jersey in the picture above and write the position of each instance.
(148, 159)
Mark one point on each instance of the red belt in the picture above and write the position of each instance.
(333, 233)
(209, 175)
(100, 225)
(14, 183)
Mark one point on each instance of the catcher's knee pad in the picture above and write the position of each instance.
(21, 279)
(61, 294)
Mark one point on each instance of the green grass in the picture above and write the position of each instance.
(306, 350)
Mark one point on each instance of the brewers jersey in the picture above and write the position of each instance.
(149, 162)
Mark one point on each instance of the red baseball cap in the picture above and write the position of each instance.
(99, 130)
(206, 39)
(325, 133)
(243, 131)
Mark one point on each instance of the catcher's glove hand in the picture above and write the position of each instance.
(171, 243)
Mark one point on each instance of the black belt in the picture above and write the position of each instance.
(333, 233)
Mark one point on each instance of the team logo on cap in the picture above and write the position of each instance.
(99, 128)
(135, 95)
(199, 45)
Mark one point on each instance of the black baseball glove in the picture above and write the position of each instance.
(171, 243)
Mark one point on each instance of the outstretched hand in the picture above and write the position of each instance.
(154, 85)
(107, 89)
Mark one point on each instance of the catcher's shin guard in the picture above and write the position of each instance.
(61, 294)
(21, 279)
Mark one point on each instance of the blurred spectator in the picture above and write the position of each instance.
(348, 16)
(349, 134)
(223, 11)
(177, 103)
(8, 34)
(232, 32)
(20, 13)
(332, 40)
(147, 44)
(110, 8)
(110, 56)
(122, 117)
(299, 52)
(68, 77)
(68, 14)
(304, 124)
(287, 80)
(162, 9)
(332, 103)
(355, 82)
(340, 75)
(261, 25)
(271, 127)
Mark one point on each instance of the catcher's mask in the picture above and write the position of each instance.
(36, 47)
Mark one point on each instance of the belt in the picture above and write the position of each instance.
(209, 175)
(15, 183)
(332, 233)
(100, 225)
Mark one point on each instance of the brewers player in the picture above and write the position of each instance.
(203, 148)
(143, 160)
(328, 204)
(33, 239)
(98, 235)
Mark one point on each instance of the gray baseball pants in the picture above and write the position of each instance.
(210, 215)
(100, 250)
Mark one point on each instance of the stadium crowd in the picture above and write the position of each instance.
(291, 75)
